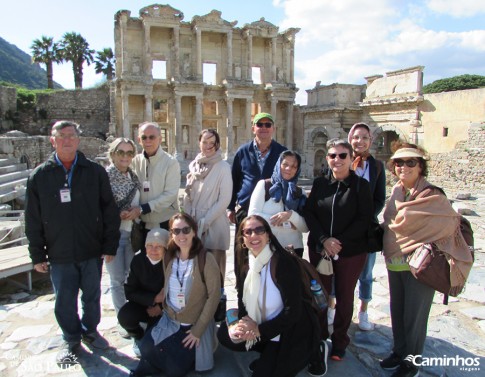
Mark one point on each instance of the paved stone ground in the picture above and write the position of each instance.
(29, 335)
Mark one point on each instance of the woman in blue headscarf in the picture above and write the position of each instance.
(279, 200)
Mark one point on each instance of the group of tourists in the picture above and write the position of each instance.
(166, 293)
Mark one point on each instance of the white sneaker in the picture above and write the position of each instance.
(330, 316)
(364, 323)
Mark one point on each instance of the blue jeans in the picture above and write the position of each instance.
(169, 357)
(365, 278)
(68, 279)
(118, 270)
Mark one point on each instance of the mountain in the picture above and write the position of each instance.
(16, 67)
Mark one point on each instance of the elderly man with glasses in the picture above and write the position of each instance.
(159, 175)
(253, 161)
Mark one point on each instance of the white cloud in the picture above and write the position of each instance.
(461, 8)
(348, 40)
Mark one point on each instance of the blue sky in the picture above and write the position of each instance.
(340, 40)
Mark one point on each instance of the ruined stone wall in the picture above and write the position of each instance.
(36, 149)
(88, 107)
(463, 168)
(8, 106)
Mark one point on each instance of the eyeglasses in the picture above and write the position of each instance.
(258, 231)
(267, 125)
(342, 156)
(184, 230)
(363, 138)
(149, 137)
(409, 163)
(122, 153)
(66, 136)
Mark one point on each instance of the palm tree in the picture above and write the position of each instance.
(105, 62)
(75, 48)
(46, 51)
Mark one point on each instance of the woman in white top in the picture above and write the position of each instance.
(126, 191)
(279, 201)
(207, 194)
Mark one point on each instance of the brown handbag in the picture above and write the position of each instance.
(430, 267)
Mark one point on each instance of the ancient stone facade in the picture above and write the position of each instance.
(199, 74)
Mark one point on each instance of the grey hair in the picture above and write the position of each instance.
(61, 124)
(113, 147)
(332, 143)
(142, 126)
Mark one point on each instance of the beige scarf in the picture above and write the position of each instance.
(200, 168)
(426, 219)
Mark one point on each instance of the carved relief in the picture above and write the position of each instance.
(161, 11)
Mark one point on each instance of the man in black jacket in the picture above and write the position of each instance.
(71, 222)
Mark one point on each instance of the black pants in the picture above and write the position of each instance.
(241, 214)
(130, 316)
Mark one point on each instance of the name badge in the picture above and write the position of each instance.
(181, 299)
(146, 186)
(65, 195)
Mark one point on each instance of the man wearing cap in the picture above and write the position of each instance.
(71, 222)
(144, 286)
(159, 174)
(253, 161)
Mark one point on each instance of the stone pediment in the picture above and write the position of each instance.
(212, 19)
(165, 12)
(262, 28)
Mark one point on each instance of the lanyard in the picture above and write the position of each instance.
(68, 172)
(181, 280)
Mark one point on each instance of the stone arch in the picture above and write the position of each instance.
(319, 162)
(25, 160)
(383, 138)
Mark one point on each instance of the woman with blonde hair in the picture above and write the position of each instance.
(126, 191)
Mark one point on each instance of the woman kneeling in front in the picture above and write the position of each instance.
(272, 317)
(185, 333)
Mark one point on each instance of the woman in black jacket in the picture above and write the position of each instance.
(338, 214)
(273, 319)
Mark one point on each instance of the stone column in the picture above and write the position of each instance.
(250, 56)
(126, 132)
(198, 113)
(247, 120)
(124, 49)
(148, 107)
(229, 54)
(292, 59)
(273, 59)
(274, 102)
(147, 64)
(229, 132)
(198, 41)
(289, 126)
(178, 128)
(176, 48)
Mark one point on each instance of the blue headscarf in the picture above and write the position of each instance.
(293, 196)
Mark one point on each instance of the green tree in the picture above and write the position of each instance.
(451, 84)
(75, 48)
(46, 51)
(105, 62)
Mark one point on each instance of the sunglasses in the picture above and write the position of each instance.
(258, 231)
(184, 230)
(408, 163)
(342, 156)
(267, 125)
(122, 153)
(150, 137)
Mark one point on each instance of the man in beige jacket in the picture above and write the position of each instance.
(159, 174)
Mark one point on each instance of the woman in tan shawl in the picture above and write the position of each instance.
(416, 213)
